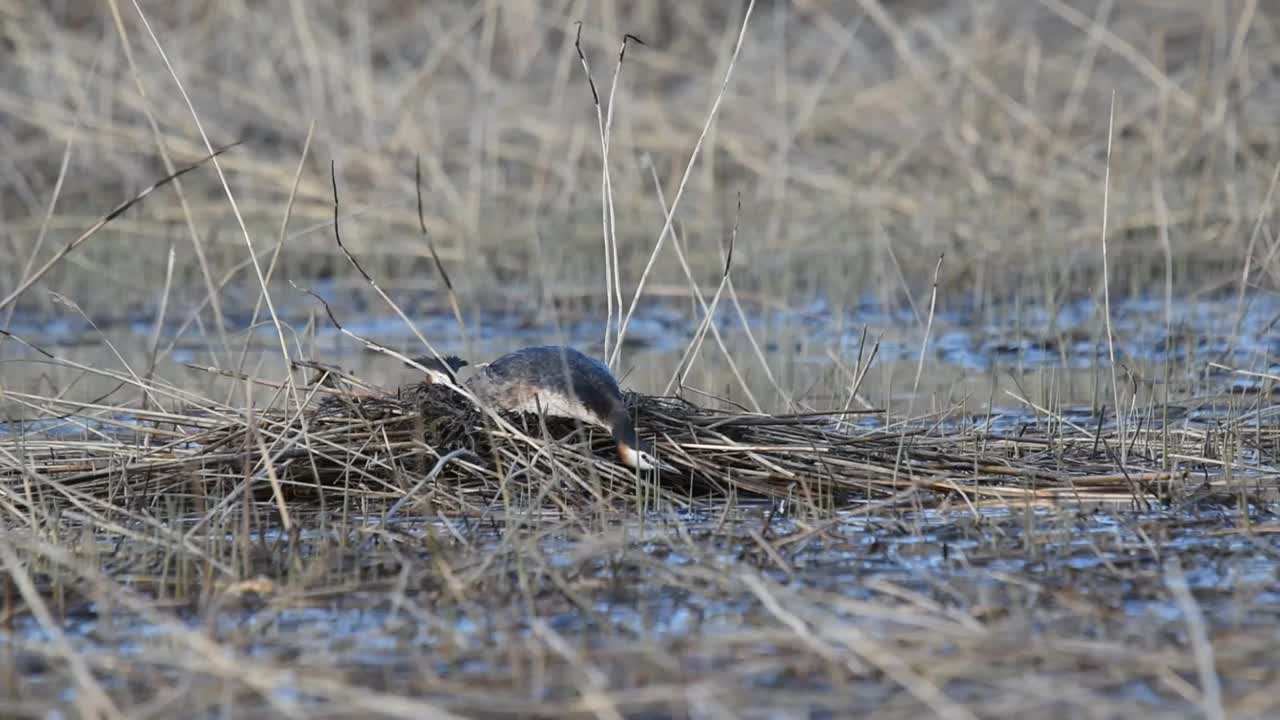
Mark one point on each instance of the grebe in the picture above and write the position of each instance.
(559, 381)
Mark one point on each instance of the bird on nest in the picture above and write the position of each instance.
(557, 381)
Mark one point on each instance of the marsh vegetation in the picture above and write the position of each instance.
(955, 325)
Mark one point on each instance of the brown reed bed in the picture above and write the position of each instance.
(426, 443)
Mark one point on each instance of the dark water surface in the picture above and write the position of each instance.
(1000, 356)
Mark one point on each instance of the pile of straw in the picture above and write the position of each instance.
(427, 443)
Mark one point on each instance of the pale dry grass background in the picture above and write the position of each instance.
(865, 138)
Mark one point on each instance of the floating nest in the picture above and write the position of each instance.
(352, 440)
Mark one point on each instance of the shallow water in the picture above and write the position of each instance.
(1005, 357)
(1071, 334)
(1091, 576)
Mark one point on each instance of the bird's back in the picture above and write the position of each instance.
(559, 381)
(548, 376)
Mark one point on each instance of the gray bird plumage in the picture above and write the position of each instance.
(559, 381)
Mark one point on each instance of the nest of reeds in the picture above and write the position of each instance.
(428, 441)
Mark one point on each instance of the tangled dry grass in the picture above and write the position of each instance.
(433, 444)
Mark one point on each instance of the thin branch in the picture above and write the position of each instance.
(119, 210)
(435, 257)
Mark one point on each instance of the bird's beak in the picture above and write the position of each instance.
(635, 459)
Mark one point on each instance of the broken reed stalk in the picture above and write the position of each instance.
(696, 293)
(30, 279)
(684, 179)
(695, 343)
(606, 199)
